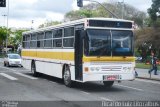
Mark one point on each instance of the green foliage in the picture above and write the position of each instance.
(154, 10)
(156, 23)
(16, 38)
(154, 13)
(149, 36)
(147, 40)
(147, 22)
(49, 23)
(3, 33)
(73, 15)
(145, 66)
(142, 65)
(137, 53)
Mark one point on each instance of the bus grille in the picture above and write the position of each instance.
(111, 68)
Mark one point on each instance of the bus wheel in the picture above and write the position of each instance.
(33, 69)
(4, 64)
(108, 84)
(67, 77)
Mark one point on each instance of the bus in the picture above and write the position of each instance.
(85, 50)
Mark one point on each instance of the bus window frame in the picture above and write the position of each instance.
(40, 40)
(55, 38)
(45, 39)
(72, 36)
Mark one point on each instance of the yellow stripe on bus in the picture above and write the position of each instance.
(70, 56)
(93, 59)
(49, 55)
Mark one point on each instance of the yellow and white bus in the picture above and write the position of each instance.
(90, 49)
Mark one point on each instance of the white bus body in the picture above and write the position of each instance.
(86, 48)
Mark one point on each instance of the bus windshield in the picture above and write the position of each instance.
(108, 42)
(99, 43)
(122, 43)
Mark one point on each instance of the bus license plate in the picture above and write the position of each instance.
(110, 77)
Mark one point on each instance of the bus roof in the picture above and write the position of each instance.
(70, 23)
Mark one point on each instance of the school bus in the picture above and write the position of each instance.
(90, 49)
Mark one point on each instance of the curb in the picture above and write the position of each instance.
(155, 79)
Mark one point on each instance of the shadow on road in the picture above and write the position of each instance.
(88, 86)
(96, 87)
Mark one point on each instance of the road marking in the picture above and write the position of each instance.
(27, 76)
(105, 99)
(102, 98)
(85, 92)
(130, 87)
(8, 76)
(7, 68)
(3, 71)
(14, 69)
(24, 70)
(148, 81)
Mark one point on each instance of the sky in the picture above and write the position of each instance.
(22, 12)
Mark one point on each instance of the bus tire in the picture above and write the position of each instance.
(33, 69)
(67, 77)
(108, 84)
(4, 64)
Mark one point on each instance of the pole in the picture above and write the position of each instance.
(32, 21)
(122, 9)
(4, 19)
(150, 74)
(7, 27)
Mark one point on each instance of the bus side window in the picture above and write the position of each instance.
(58, 42)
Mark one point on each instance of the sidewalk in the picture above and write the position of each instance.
(143, 74)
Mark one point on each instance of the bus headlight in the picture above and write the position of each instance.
(92, 68)
(97, 68)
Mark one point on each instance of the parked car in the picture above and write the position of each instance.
(12, 60)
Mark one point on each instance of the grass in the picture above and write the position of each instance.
(145, 66)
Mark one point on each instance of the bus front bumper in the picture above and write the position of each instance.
(108, 77)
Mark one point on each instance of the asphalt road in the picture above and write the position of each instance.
(17, 84)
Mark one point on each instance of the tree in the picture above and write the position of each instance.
(49, 23)
(3, 35)
(95, 10)
(74, 15)
(154, 12)
(16, 38)
(146, 40)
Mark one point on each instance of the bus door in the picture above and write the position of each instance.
(78, 54)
